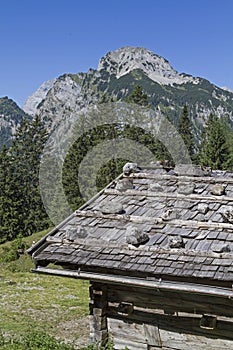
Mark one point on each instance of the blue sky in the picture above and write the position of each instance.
(42, 39)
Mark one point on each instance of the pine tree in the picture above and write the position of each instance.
(76, 154)
(228, 164)
(138, 96)
(185, 131)
(37, 135)
(155, 146)
(22, 210)
(5, 198)
(12, 201)
(214, 150)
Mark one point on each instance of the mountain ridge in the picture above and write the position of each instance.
(11, 116)
(120, 70)
(156, 67)
(117, 74)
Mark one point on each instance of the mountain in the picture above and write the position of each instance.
(117, 74)
(33, 101)
(156, 68)
(11, 115)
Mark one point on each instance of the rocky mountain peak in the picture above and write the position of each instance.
(61, 100)
(127, 59)
(35, 99)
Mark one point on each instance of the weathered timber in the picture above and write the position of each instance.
(168, 195)
(128, 331)
(152, 220)
(181, 330)
(165, 300)
(208, 179)
(178, 341)
(138, 282)
(39, 246)
(170, 326)
(120, 217)
(157, 281)
(98, 319)
(184, 324)
(152, 335)
(122, 343)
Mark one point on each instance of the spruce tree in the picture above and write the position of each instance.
(155, 146)
(214, 150)
(22, 210)
(185, 131)
(138, 96)
(12, 201)
(5, 197)
(76, 154)
(228, 164)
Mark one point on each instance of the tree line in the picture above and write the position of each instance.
(21, 208)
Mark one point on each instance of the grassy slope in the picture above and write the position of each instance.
(56, 305)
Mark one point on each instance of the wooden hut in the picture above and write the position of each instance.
(157, 248)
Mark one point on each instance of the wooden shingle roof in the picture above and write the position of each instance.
(154, 223)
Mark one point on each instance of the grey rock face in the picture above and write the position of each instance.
(111, 207)
(227, 214)
(186, 188)
(170, 214)
(203, 208)
(217, 190)
(155, 187)
(200, 217)
(135, 237)
(32, 102)
(130, 168)
(188, 170)
(176, 242)
(11, 116)
(76, 232)
(221, 248)
(124, 184)
(126, 59)
(60, 100)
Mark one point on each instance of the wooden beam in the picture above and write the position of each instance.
(168, 195)
(152, 220)
(139, 282)
(210, 179)
(169, 300)
(119, 217)
(170, 328)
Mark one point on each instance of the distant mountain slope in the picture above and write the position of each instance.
(33, 101)
(127, 59)
(117, 74)
(10, 118)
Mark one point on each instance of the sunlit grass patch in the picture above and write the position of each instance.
(57, 306)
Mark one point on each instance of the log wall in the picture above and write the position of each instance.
(139, 318)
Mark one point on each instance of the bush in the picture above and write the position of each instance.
(13, 252)
(8, 254)
(33, 341)
(108, 346)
